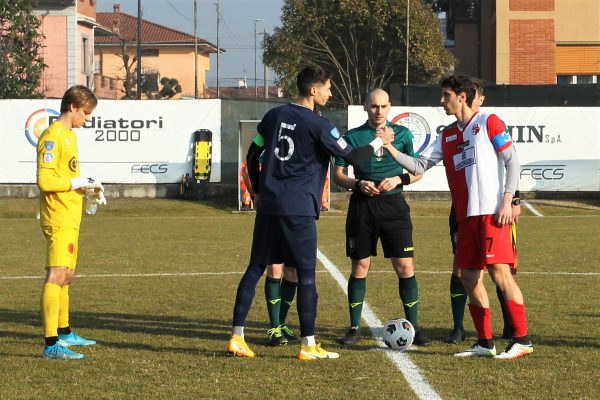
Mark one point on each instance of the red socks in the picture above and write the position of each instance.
(516, 312)
(482, 321)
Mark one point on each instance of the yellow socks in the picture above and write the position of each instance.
(50, 308)
(63, 310)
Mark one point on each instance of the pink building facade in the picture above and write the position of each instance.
(69, 28)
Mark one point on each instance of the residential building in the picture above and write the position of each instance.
(165, 52)
(69, 28)
(522, 42)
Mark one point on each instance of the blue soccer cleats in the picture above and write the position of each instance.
(59, 352)
(73, 339)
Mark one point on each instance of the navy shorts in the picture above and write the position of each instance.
(385, 217)
(285, 239)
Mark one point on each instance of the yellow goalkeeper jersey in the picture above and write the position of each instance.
(57, 163)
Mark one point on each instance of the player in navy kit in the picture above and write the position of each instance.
(296, 145)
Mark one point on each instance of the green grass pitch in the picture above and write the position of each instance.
(157, 285)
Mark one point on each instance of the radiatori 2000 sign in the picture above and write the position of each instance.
(125, 141)
(558, 148)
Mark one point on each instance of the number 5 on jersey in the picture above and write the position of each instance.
(281, 137)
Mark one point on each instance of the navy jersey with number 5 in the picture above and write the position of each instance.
(298, 145)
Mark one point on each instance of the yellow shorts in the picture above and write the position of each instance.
(63, 244)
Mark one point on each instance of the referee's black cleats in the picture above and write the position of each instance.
(276, 337)
(456, 336)
(507, 332)
(351, 336)
(420, 339)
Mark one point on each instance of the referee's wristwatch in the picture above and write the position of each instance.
(357, 187)
(516, 201)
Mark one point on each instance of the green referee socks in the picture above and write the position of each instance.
(409, 293)
(273, 297)
(458, 300)
(357, 287)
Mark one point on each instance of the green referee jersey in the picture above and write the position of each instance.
(380, 165)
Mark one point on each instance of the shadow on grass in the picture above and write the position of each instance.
(142, 324)
(152, 325)
(219, 330)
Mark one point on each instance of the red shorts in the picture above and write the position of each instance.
(482, 242)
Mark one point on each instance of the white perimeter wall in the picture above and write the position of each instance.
(558, 148)
(128, 141)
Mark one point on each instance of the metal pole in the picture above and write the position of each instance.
(255, 87)
(139, 51)
(407, 39)
(218, 49)
(195, 49)
(266, 86)
(255, 79)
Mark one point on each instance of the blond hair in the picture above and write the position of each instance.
(80, 96)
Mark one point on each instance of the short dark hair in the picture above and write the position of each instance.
(478, 85)
(460, 84)
(310, 76)
(79, 96)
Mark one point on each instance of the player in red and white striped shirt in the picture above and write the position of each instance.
(483, 173)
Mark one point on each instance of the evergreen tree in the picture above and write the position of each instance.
(21, 64)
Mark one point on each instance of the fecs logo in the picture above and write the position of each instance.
(149, 168)
(37, 122)
(544, 172)
(418, 126)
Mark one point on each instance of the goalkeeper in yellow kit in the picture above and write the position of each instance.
(61, 201)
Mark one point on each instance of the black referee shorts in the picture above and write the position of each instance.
(380, 217)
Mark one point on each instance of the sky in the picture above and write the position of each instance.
(236, 30)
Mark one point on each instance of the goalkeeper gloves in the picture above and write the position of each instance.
(98, 198)
(87, 183)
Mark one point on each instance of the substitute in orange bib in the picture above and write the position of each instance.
(61, 201)
(245, 188)
(325, 195)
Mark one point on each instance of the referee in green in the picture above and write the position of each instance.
(378, 211)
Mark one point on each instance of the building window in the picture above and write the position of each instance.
(577, 79)
(149, 52)
(564, 79)
(150, 79)
(466, 10)
(583, 79)
(85, 57)
(98, 66)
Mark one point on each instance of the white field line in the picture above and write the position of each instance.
(411, 372)
(178, 274)
(532, 208)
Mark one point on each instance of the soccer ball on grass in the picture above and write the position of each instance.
(398, 334)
